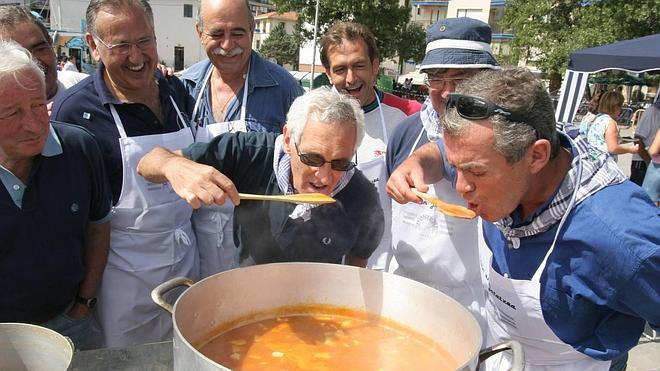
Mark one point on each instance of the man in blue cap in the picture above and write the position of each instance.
(430, 247)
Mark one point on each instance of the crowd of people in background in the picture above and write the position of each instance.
(130, 176)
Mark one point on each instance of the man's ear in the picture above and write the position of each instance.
(375, 66)
(199, 30)
(327, 73)
(92, 45)
(287, 139)
(539, 153)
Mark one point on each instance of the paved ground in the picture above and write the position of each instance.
(646, 355)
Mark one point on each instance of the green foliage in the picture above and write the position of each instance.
(546, 31)
(412, 43)
(281, 47)
(385, 18)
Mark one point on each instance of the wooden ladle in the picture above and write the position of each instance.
(457, 211)
(307, 198)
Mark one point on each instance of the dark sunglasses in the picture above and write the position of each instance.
(476, 108)
(316, 160)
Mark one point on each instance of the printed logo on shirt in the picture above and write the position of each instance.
(326, 241)
(74, 207)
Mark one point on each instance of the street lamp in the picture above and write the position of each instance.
(316, 30)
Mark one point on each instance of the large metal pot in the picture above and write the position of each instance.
(33, 348)
(233, 294)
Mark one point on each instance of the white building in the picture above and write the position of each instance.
(174, 20)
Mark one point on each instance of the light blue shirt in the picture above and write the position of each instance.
(15, 187)
(271, 90)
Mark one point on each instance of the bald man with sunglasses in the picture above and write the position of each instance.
(313, 155)
(569, 248)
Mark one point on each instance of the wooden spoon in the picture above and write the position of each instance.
(307, 198)
(457, 211)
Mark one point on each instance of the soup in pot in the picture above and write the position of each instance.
(320, 337)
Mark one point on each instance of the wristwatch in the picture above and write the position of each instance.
(88, 302)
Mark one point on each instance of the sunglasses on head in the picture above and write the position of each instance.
(476, 108)
(316, 160)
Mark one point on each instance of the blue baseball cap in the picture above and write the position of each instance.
(458, 43)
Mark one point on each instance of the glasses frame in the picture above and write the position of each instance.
(113, 47)
(491, 108)
(334, 164)
(429, 81)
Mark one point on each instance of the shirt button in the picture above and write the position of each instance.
(16, 187)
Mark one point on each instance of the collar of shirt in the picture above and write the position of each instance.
(373, 105)
(15, 187)
(106, 96)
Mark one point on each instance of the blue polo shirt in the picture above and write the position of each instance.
(88, 104)
(600, 283)
(353, 225)
(43, 224)
(271, 90)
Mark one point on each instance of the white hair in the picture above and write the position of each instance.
(16, 58)
(325, 106)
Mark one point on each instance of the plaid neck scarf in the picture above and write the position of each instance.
(430, 120)
(598, 171)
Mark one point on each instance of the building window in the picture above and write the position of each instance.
(178, 58)
(187, 10)
(472, 13)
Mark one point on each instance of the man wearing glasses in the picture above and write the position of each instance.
(235, 89)
(18, 24)
(569, 247)
(130, 109)
(313, 155)
(427, 246)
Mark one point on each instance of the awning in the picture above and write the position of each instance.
(75, 42)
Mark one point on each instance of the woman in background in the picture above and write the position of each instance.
(603, 133)
(592, 112)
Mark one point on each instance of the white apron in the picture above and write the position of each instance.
(214, 225)
(543, 350)
(376, 171)
(151, 242)
(438, 250)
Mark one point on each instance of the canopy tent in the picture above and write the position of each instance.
(637, 55)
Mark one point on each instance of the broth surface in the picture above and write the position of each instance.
(324, 338)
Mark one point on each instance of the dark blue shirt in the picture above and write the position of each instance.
(601, 281)
(353, 225)
(271, 90)
(42, 243)
(88, 104)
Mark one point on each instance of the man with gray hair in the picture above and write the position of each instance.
(131, 108)
(569, 247)
(313, 155)
(19, 25)
(235, 90)
(55, 206)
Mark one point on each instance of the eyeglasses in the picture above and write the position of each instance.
(476, 108)
(125, 47)
(438, 83)
(316, 160)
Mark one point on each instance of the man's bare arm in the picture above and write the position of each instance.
(198, 184)
(423, 167)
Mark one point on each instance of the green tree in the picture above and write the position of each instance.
(412, 44)
(547, 31)
(385, 18)
(281, 47)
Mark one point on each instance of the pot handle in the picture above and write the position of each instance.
(163, 288)
(517, 359)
